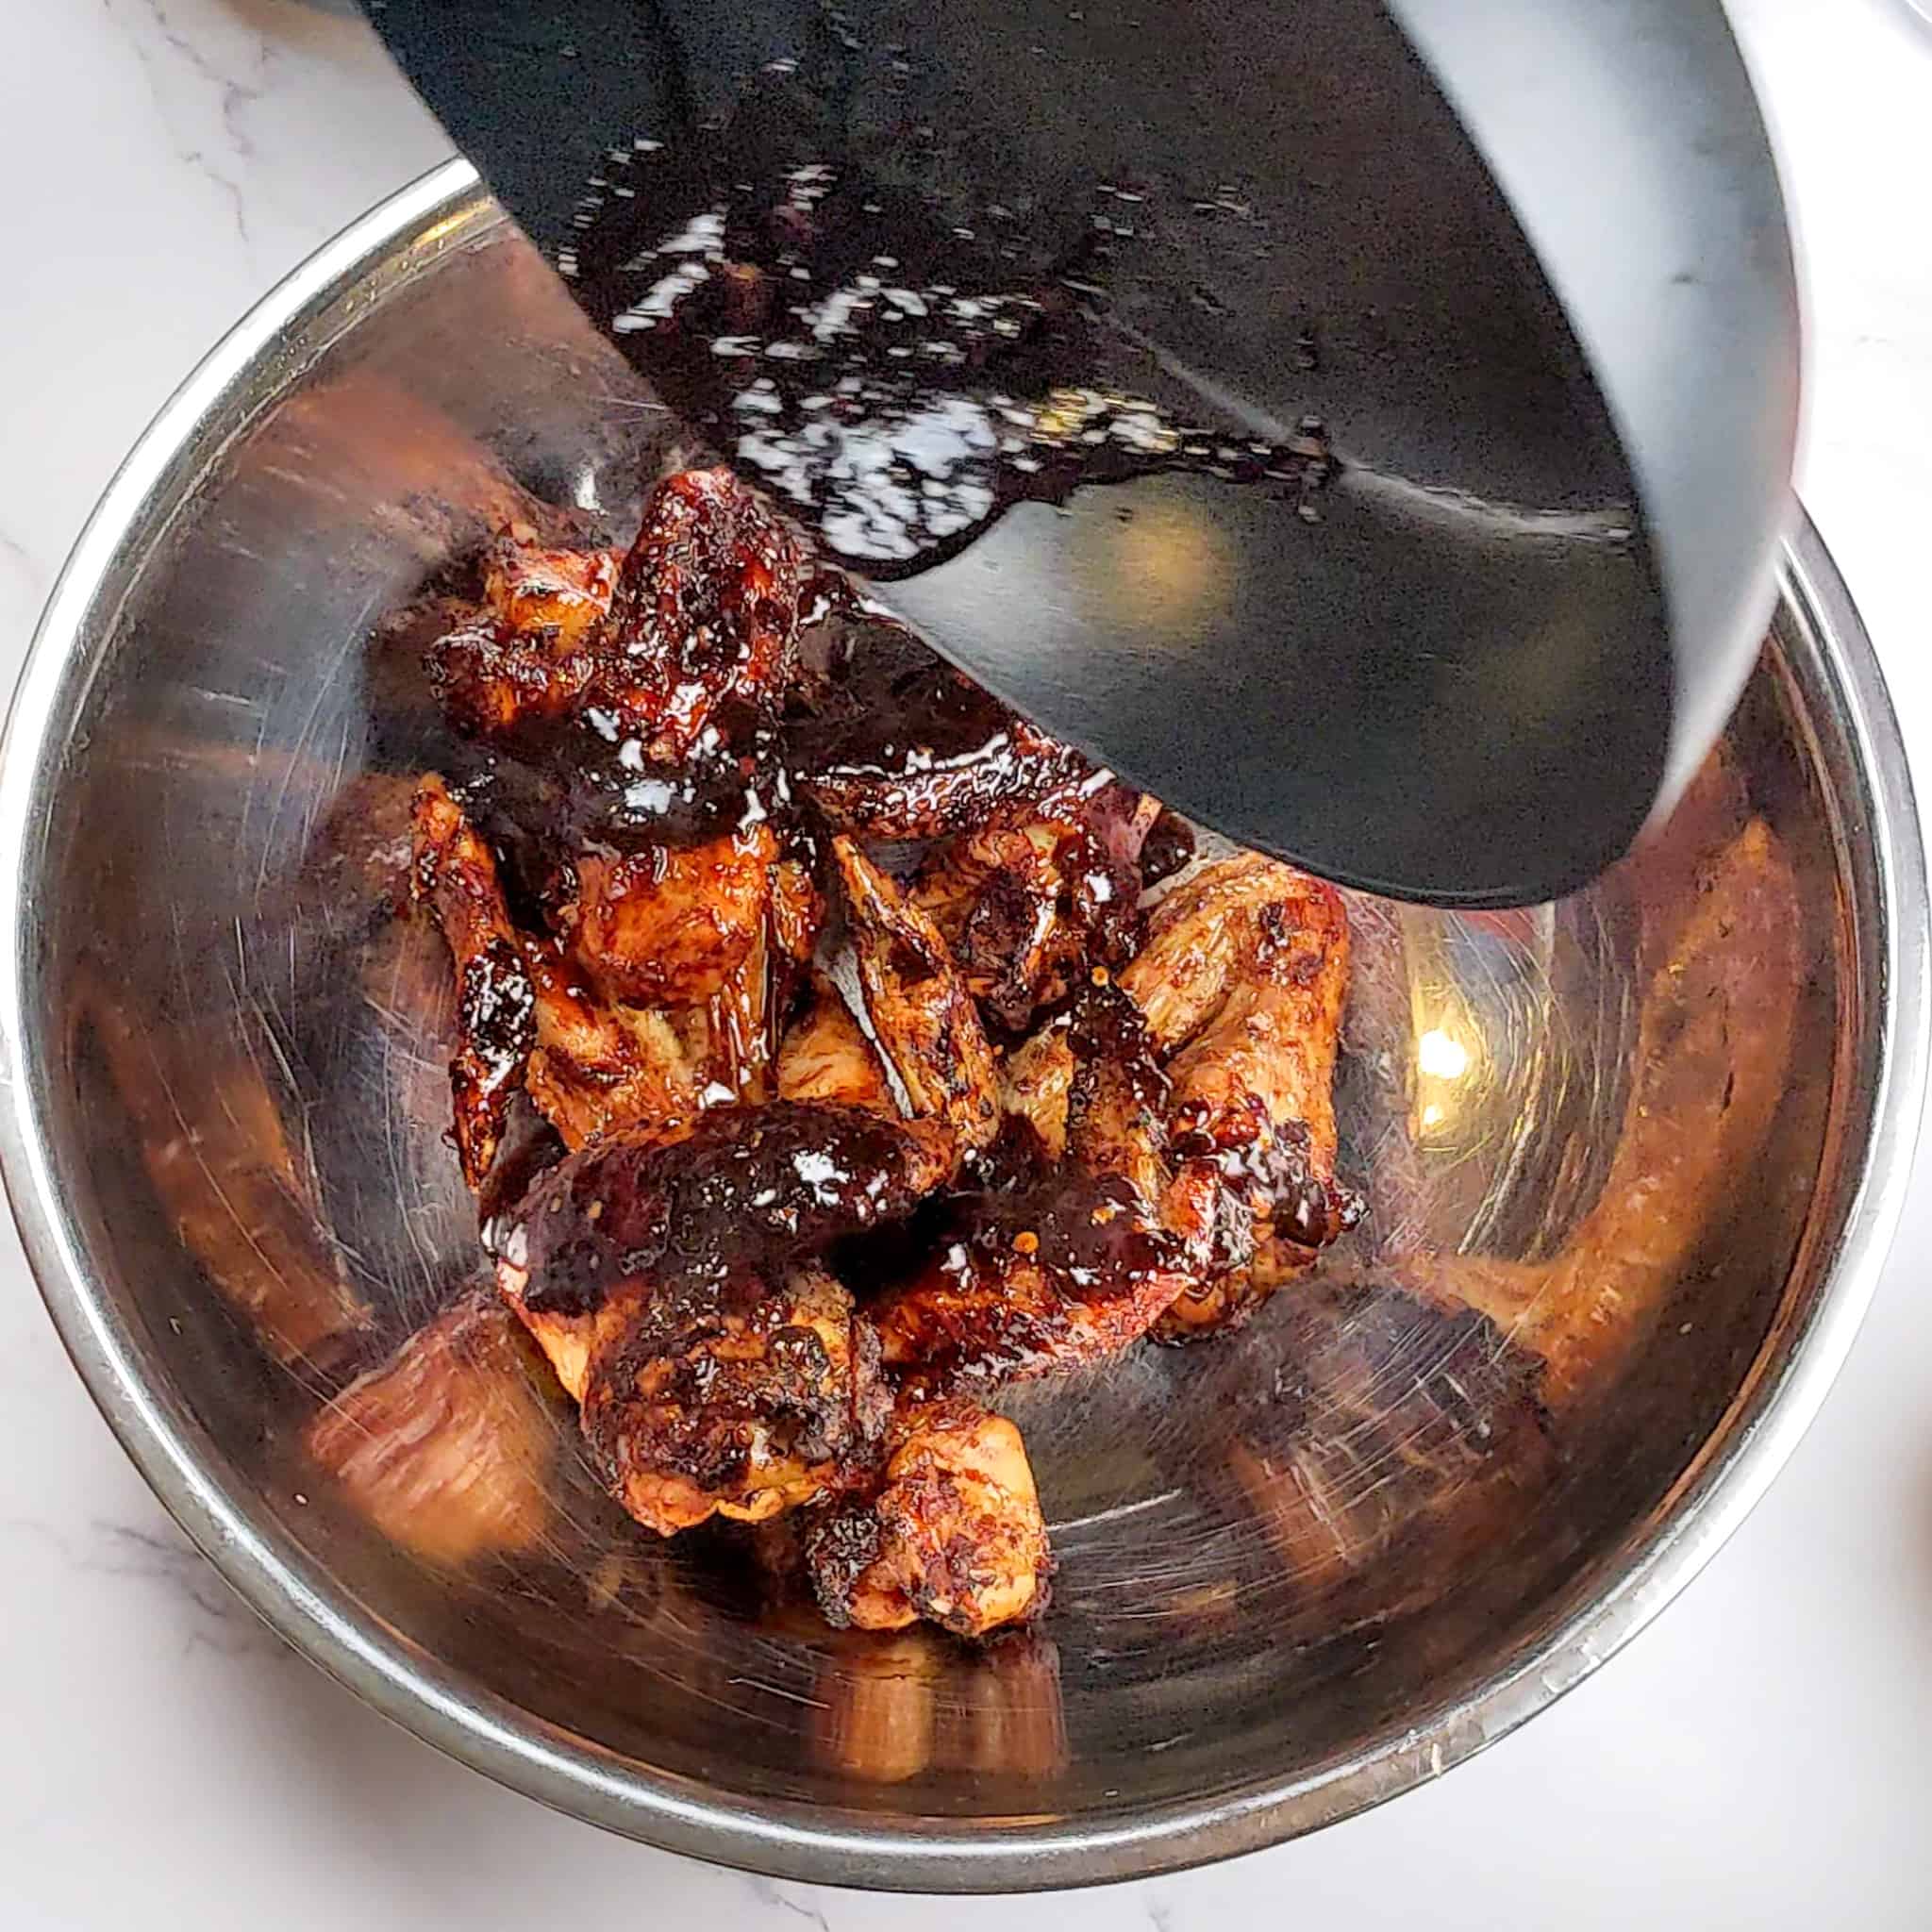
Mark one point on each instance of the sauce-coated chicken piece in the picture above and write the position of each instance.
(743, 1191)
(825, 1056)
(921, 1014)
(667, 926)
(741, 1411)
(735, 1034)
(1244, 972)
(705, 614)
(1252, 1089)
(455, 873)
(526, 1016)
(1035, 1081)
(1269, 1048)
(953, 1533)
(527, 653)
(1198, 939)
(447, 1448)
(672, 1286)
(894, 744)
(1036, 896)
(558, 596)
(1180, 975)
(697, 634)
(1076, 1265)
(598, 1065)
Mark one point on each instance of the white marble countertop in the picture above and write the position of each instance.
(1757, 1759)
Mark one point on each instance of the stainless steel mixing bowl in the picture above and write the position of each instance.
(1301, 1570)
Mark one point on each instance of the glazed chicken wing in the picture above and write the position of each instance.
(739, 1411)
(527, 653)
(733, 1037)
(954, 1534)
(825, 1056)
(1243, 971)
(456, 873)
(1075, 1266)
(1036, 1081)
(740, 1189)
(671, 1284)
(1180, 975)
(695, 633)
(558, 596)
(600, 1065)
(667, 926)
(1033, 899)
(705, 615)
(921, 1014)
(1253, 1094)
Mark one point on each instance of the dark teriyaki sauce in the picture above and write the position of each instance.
(895, 379)
(708, 1220)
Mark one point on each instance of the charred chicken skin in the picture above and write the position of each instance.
(1074, 1264)
(695, 628)
(953, 1533)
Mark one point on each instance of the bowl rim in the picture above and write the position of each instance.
(793, 1840)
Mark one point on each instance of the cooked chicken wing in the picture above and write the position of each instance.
(1253, 1090)
(705, 615)
(1077, 1265)
(825, 1056)
(671, 1287)
(743, 1189)
(742, 1411)
(456, 873)
(528, 653)
(1244, 972)
(736, 1033)
(559, 596)
(1036, 897)
(1267, 1053)
(666, 926)
(1179, 977)
(447, 1447)
(1035, 1082)
(697, 634)
(921, 1014)
(954, 1535)
(600, 1065)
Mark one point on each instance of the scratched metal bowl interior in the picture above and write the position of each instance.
(1301, 1568)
